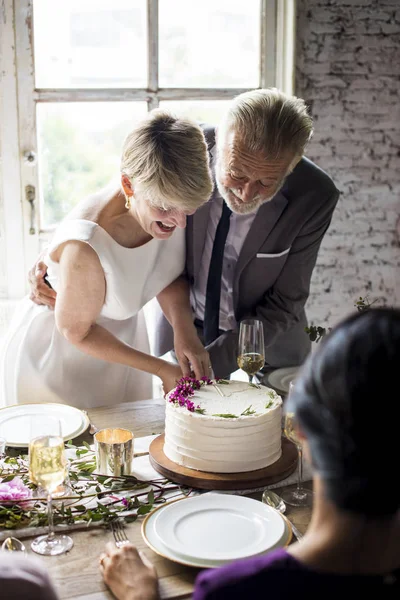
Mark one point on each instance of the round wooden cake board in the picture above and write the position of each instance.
(279, 470)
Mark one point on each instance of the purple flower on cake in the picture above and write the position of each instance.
(14, 491)
(190, 405)
(190, 382)
(185, 389)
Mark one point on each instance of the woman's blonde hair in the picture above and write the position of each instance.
(268, 121)
(167, 161)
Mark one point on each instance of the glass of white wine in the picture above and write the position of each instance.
(48, 469)
(251, 347)
(300, 496)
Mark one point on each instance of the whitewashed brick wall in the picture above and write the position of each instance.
(348, 70)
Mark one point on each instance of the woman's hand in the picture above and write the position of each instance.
(191, 354)
(169, 375)
(128, 573)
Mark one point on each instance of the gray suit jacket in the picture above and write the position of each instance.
(274, 268)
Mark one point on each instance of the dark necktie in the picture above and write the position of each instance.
(213, 293)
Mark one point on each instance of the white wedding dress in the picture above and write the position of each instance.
(37, 364)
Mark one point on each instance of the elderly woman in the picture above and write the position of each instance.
(113, 253)
(352, 546)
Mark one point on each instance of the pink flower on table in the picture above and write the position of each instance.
(14, 490)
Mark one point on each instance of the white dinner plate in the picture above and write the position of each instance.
(219, 527)
(280, 378)
(15, 421)
(155, 543)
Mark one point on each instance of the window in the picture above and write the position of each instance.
(87, 70)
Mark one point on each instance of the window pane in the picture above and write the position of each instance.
(90, 43)
(209, 43)
(204, 111)
(79, 150)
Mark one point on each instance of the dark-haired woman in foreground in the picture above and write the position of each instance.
(347, 417)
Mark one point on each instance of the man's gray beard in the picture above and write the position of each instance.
(245, 209)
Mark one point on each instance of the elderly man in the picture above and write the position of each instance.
(252, 248)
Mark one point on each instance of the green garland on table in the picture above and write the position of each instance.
(106, 495)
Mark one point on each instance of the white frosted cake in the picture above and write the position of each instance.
(231, 433)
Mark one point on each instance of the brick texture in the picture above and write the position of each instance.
(348, 71)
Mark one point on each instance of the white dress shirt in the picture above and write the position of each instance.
(238, 230)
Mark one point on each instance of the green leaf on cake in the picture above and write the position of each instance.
(201, 411)
(248, 412)
(269, 404)
(255, 385)
(226, 416)
(223, 381)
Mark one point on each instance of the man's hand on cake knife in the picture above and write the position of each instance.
(193, 358)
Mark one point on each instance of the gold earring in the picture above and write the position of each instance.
(127, 202)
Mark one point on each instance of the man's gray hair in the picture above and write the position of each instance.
(268, 121)
(167, 161)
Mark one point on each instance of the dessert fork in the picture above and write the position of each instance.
(119, 534)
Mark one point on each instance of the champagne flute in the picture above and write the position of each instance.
(251, 347)
(300, 496)
(48, 469)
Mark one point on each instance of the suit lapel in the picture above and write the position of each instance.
(264, 221)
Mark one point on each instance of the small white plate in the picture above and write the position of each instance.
(15, 421)
(155, 543)
(280, 378)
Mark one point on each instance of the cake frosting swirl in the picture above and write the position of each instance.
(228, 427)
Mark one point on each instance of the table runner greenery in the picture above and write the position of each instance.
(92, 498)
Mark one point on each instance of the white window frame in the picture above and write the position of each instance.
(22, 237)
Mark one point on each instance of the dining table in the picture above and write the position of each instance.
(76, 574)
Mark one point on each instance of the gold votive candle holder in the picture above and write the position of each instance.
(114, 451)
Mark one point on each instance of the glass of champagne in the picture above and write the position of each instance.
(300, 496)
(48, 469)
(251, 347)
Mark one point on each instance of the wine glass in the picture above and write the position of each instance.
(300, 496)
(48, 469)
(251, 347)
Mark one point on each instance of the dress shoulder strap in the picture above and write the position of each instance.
(72, 229)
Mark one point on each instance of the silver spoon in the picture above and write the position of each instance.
(11, 544)
(269, 497)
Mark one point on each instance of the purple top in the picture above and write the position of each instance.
(280, 576)
(24, 578)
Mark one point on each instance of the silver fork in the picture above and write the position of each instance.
(119, 534)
